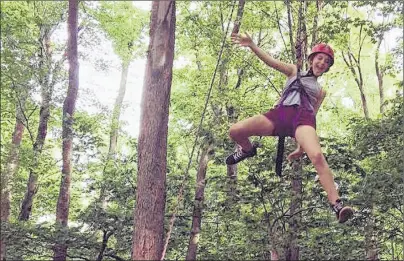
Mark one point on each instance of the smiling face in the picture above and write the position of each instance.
(320, 63)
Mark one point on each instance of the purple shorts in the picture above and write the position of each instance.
(287, 118)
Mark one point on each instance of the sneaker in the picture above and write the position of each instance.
(343, 213)
(240, 155)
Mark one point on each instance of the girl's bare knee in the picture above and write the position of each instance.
(235, 131)
(318, 159)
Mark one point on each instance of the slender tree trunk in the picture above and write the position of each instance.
(62, 208)
(290, 25)
(105, 238)
(148, 236)
(379, 74)
(372, 252)
(315, 24)
(231, 114)
(358, 79)
(113, 137)
(275, 247)
(117, 110)
(240, 12)
(11, 168)
(44, 114)
(292, 252)
(198, 203)
(355, 62)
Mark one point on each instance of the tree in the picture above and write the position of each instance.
(11, 169)
(48, 75)
(198, 203)
(152, 148)
(62, 210)
(123, 24)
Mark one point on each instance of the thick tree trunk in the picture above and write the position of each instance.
(62, 208)
(379, 74)
(198, 203)
(44, 114)
(148, 236)
(10, 171)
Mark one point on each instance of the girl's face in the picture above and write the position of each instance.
(320, 63)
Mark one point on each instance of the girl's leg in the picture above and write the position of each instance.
(258, 125)
(307, 137)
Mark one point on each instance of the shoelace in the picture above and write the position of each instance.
(238, 155)
(338, 206)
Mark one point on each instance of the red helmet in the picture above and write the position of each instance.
(322, 48)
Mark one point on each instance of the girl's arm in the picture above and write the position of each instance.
(288, 69)
(245, 40)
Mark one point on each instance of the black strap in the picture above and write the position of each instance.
(279, 155)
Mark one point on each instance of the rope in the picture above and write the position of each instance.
(181, 191)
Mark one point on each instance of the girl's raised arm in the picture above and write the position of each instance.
(245, 40)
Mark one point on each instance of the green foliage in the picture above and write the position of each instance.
(243, 220)
(124, 25)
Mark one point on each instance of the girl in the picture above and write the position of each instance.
(294, 116)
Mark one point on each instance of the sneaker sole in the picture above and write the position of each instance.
(345, 214)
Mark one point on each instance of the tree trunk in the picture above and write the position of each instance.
(117, 110)
(44, 114)
(62, 208)
(148, 236)
(379, 74)
(315, 24)
(105, 238)
(231, 114)
(355, 62)
(113, 137)
(292, 252)
(289, 11)
(372, 252)
(10, 171)
(240, 12)
(198, 203)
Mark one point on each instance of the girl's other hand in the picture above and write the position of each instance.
(296, 154)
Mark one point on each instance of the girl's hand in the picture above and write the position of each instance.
(243, 40)
(297, 153)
